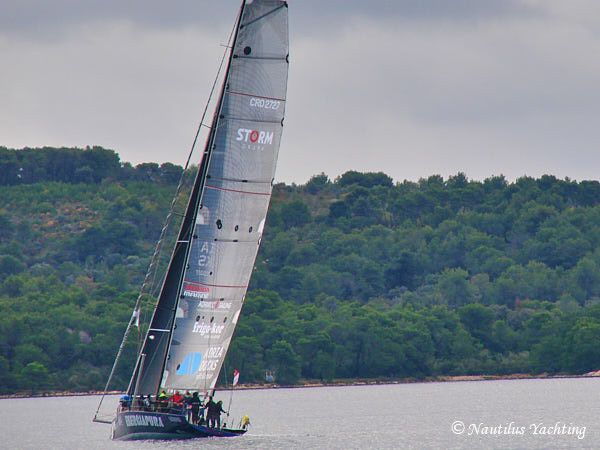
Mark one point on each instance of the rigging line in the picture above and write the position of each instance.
(226, 375)
(212, 91)
(215, 278)
(206, 365)
(165, 226)
(230, 394)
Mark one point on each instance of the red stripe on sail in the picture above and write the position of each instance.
(236, 190)
(257, 96)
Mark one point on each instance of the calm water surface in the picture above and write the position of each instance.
(483, 414)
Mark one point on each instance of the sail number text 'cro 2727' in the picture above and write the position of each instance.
(264, 103)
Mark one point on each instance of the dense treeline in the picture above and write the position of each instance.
(72, 165)
(356, 277)
(434, 242)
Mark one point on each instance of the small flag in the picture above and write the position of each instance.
(236, 377)
(135, 318)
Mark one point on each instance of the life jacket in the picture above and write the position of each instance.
(176, 398)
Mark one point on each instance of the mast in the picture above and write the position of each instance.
(148, 373)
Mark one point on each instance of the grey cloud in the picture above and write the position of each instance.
(411, 88)
(40, 18)
(413, 9)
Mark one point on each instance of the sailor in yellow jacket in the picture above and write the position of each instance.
(245, 422)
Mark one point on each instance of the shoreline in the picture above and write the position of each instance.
(333, 383)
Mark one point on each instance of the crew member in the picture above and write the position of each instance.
(196, 404)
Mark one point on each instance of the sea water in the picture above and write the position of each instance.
(545, 413)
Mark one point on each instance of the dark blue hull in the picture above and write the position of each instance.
(135, 425)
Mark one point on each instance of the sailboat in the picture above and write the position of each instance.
(210, 267)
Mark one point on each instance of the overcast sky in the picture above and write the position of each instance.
(408, 87)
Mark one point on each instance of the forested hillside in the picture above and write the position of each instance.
(356, 277)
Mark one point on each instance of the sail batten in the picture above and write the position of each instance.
(264, 58)
(251, 120)
(246, 94)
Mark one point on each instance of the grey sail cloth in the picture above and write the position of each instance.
(234, 203)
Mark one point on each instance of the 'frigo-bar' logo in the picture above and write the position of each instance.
(138, 420)
(207, 329)
(254, 136)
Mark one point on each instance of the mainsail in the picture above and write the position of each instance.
(210, 269)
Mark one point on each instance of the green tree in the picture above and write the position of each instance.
(246, 355)
(282, 359)
(503, 338)
(368, 180)
(295, 214)
(454, 287)
(478, 320)
(585, 279)
(582, 352)
(34, 376)
(7, 379)
(10, 265)
(548, 355)
(317, 183)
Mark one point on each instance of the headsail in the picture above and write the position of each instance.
(210, 270)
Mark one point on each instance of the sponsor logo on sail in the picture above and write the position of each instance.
(254, 136)
(265, 103)
(204, 250)
(203, 329)
(191, 290)
(214, 352)
(139, 420)
(190, 364)
(207, 365)
(219, 304)
(198, 363)
(210, 363)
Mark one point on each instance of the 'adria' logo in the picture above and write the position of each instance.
(254, 136)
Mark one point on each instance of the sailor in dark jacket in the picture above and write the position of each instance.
(195, 404)
(210, 411)
(213, 413)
